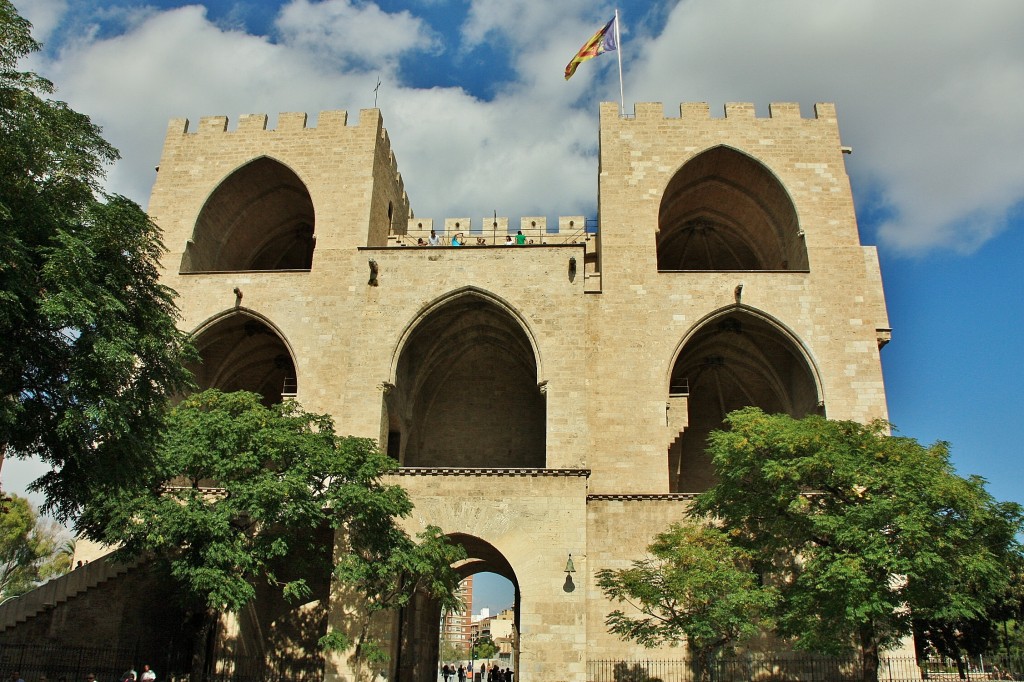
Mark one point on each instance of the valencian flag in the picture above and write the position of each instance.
(603, 41)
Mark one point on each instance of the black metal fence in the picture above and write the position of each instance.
(796, 668)
(57, 663)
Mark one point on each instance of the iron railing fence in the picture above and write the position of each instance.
(59, 663)
(805, 668)
(56, 663)
(982, 667)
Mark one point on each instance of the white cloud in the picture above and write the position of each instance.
(44, 15)
(350, 34)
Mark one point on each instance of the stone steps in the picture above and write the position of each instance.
(62, 589)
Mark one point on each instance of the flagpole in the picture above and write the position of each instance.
(618, 50)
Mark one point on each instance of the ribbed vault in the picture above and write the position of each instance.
(724, 210)
(242, 353)
(466, 391)
(260, 218)
(734, 361)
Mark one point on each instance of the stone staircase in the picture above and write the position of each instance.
(59, 590)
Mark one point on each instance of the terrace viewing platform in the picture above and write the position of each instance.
(495, 231)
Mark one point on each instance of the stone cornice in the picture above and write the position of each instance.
(680, 497)
(459, 471)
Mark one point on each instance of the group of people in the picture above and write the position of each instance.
(127, 676)
(492, 674)
(459, 240)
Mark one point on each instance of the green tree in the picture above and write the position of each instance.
(955, 637)
(234, 487)
(31, 550)
(878, 529)
(484, 647)
(695, 585)
(90, 348)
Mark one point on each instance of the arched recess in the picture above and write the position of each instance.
(242, 351)
(418, 627)
(734, 358)
(465, 390)
(724, 210)
(259, 218)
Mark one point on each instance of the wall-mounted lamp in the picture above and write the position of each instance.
(238, 295)
(569, 586)
(572, 268)
(738, 292)
(373, 273)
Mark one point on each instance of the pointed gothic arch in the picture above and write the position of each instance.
(260, 217)
(733, 358)
(465, 389)
(725, 210)
(416, 655)
(242, 350)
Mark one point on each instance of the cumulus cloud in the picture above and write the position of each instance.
(44, 15)
(930, 96)
(353, 34)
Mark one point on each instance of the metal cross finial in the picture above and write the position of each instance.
(375, 90)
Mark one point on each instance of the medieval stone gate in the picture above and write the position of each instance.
(546, 399)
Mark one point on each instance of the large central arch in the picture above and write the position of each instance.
(466, 390)
(735, 358)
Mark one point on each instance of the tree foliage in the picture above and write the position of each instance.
(695, 585)
(32, 550)
(235, 487)
(484, 648)
(90, 348)
(956, 637)
(878, 529)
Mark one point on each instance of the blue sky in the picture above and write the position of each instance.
(930, 95)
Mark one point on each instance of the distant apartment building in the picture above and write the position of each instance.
(500, 629)
(457, 626)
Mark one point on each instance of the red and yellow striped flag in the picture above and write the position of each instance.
(603, 41)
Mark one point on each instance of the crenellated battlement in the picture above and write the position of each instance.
(735, 111)
(286, 122)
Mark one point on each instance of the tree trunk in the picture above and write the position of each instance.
(960, 667)
(201, 645)
(869, 653)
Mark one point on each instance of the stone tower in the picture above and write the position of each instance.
(545, 400)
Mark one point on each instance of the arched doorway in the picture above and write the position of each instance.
(242, 352)
(466, 392)
(723, 210)
(259, 218)
(735, 359)
(421, 623)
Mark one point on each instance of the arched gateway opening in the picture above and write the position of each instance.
(735, 359)
(466, 392)
(418, 652)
